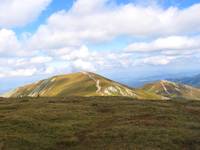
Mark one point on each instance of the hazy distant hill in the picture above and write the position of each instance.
(193, 81)
(173, 90)
(79, 84)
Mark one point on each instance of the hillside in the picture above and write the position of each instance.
(79, 84)
(97, 123)
(173, 90)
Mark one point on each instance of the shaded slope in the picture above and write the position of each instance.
(79, 84)
(173, 90)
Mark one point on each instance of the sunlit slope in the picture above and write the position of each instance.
(79, 84)
(98, 123)
(173, 90)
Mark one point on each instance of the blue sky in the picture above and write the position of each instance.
(54, 6)
(125, 40)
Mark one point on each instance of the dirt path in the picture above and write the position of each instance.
(95, 80)
(165, 89)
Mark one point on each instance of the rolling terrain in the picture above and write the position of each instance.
(85, 111)
(90, 84)
(79, 84)
(173, 90)
(87, 123)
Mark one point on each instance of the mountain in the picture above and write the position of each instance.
(173, 90)
(193, 81)
(79, 84)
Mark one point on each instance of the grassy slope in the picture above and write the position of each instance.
(98, 123)
(175, 90)
(62, 85)
(78, 84)
(141, 94)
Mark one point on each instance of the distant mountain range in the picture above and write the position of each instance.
(91, 84)
(193, 81)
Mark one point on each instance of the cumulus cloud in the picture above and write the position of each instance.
(83, 58)
(8, 40)
(83, 65)
(60, 45)
(18, 72)
(158, 60)
(96, 21)
(23, 66)
(20, 12)
(11, 46)
(167, 43)
(40, 59)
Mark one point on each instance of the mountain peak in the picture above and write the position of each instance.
(79, 84)
(165, 81)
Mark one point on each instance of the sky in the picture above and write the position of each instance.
(125, 40)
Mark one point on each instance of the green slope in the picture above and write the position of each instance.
(173, 90)
(98, 123)
(79, 84)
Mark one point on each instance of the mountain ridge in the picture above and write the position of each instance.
(173, 90)
(79, 84)
(90, 84)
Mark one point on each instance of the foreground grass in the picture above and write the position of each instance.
(110, 123)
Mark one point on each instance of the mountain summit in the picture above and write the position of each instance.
(79, 84)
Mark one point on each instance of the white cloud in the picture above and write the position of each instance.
(8, 41)
(158, 60)
(168, 43)
(24, 66)
(11, 46)
(20, 12)
(59, 46)
(18, 62)
(89, 6)
(49, 70)
(83, 65)
(75, 53)
(23, 72)
(96, 21)
(18, 72)
(83, 58)
(40, 59)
